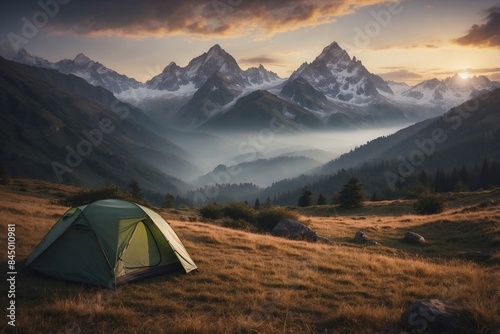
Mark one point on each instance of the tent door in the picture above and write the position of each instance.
(142, 250)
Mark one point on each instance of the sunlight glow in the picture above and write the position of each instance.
(464, 75)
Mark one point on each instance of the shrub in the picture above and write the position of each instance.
(107, 191)
(268, 218)
(238, 210)
(211, 211)
(238, 224)
(430, 204)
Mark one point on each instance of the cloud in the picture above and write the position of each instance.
(260, 60)
(220, 18)
(400, 75)
(487, 34)
(406, 47)
(495, 76)
(487, 70)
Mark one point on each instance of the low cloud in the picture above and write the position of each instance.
(487, 34)
(220, 18)
(400, 75)
(259, 60)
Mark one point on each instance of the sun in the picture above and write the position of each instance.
(464, 75)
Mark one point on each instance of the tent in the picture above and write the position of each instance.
(110, 242)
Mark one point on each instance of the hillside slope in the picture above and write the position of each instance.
(49, 134)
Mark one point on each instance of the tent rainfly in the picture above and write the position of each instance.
(110, 242)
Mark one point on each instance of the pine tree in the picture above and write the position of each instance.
(440, 181)
(485, 175)
(321, 200)
(464, 175)
(135, 190)
(269, 202)
(256, 206)
(169, 201)
(352, 194)
(306, 199)
(375, 197)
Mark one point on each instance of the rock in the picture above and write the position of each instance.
(414, 238)
(292, 229)
(360, 237)
(475, 256)
(437, 316)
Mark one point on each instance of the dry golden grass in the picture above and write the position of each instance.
(251, 283)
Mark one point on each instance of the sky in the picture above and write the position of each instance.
(403, 40)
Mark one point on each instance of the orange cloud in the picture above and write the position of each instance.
(219, 18)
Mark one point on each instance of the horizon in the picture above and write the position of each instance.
(402, 41)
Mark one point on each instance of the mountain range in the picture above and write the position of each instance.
(76, 121)
(332, 91)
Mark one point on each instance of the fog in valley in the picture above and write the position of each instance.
(268, 155)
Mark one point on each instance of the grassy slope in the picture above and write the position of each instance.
(251, 283)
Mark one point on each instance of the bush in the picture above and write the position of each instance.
(238, 224)
(107, 191)
(268, 218)
(211, 211)
(238, 210)
(430, 204)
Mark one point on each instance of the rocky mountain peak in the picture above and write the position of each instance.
(82, 59)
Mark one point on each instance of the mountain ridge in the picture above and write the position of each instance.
(336, 89)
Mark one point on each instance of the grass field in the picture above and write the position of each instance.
(256, 283)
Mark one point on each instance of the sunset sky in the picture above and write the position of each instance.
(407, 40)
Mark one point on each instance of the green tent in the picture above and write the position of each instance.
(110, 242)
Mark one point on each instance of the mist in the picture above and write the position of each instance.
(229, 149)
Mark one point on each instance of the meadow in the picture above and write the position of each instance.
(257, 283)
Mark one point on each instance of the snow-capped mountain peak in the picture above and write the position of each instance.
(338, 77)
(82, 59)
(444, 94)
(333, 54)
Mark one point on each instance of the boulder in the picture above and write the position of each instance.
(437, 316)
(292, 229)
(361, 237)
(414, 238)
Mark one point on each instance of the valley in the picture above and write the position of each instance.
(211, 122)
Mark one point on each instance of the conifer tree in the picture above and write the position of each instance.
(352, 194)
(321, 200)
(135, 190)
(256, 206)
(306, 199)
